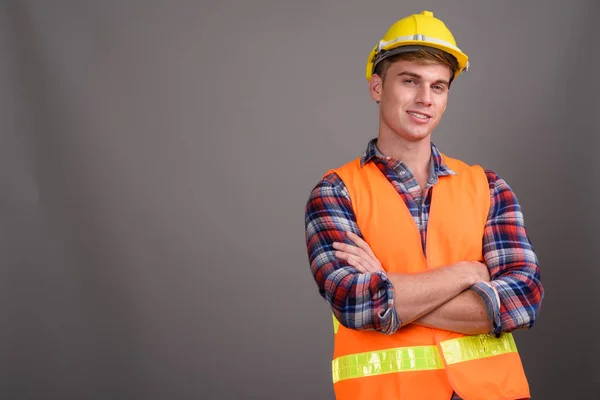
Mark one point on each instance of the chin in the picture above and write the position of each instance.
(414, 136)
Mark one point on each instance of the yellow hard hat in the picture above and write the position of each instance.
(413, 32)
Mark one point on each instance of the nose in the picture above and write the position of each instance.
(424, 96)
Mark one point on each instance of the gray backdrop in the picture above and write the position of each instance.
(156, 157)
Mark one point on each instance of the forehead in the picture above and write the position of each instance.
(431, 72)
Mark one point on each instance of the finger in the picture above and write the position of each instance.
(378, 267)
(368, 257)
(367, 260)
(366, 265)
(349, 248)
(364, 246)
(370, 261)
(360, 243)
(352, 260)
(359, 264)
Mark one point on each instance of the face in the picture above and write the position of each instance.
(412, 99)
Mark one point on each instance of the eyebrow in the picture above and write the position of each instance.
(420, 77)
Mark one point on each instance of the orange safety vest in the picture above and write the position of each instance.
(418, 362)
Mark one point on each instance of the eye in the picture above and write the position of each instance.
(438, 88)
(408, 81)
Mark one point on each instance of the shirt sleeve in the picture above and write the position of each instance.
(360, 301)
(514, 294)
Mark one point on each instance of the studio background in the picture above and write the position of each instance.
(156, 157)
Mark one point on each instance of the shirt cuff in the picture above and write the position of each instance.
(490, 296)
(388, 318)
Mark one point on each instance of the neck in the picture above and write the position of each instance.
(416, 155)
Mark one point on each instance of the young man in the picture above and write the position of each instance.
(424, 260)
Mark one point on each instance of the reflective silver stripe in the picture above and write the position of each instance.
(418, 37)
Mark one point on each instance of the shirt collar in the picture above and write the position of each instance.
(438, 165)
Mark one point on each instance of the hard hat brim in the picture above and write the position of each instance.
(409, 49)
(413, 45)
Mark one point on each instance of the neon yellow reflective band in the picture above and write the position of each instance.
(336, 324)
(475, 347)
(401, 359)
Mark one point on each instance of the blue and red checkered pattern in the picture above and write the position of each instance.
(365, 301)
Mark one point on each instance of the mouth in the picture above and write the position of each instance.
(421, 116)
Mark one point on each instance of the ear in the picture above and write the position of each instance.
(376, 87)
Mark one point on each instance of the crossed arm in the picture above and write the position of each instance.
(437, 298)
(458, 297)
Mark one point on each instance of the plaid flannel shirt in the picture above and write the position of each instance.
(365, 301)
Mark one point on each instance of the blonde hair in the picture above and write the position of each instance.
(420, 56)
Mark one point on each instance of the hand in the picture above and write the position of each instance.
(477, 271)
(360, 256)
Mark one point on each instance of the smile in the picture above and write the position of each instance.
(418, 115)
